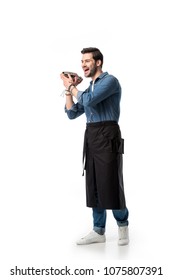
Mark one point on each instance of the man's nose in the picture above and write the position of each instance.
(83, 63)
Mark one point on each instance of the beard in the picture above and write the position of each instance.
(92, 72)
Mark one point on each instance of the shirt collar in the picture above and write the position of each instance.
(100, 77)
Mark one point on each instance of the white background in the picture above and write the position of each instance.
(42, 200)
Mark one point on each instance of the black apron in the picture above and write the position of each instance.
(102, 154)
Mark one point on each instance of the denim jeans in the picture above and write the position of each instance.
(99, 218)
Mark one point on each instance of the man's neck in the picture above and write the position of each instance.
(97, 74)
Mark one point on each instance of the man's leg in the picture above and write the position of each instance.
(121, 217)
(97, 234)
(99, 220)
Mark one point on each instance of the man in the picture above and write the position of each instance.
(103, 145)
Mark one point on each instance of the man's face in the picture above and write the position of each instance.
(88, 65)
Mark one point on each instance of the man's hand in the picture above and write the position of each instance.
(71, 77)
(70, 82)
(67, 80)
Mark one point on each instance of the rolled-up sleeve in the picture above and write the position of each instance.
(75, 111)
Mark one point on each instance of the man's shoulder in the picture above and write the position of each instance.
(109, 77)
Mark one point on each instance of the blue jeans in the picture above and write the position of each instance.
(99, 218)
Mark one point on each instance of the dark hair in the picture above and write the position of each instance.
(97, 55)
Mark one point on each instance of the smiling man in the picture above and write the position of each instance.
(103, 145)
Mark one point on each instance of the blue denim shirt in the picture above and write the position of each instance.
(100, 101)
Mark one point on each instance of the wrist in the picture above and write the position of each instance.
(69, 87)
(74, 91)
(67, 92)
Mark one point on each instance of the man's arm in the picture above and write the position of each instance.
(69, 101)
(72, 109)
(108, 86)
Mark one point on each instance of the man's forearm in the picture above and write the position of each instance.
(74, 92)
(69, 101)
(69, 97)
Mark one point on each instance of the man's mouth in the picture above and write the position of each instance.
(86, 71)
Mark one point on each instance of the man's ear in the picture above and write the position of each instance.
(98, 62)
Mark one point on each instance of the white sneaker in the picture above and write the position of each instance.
(92, 237)
(123, 234)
